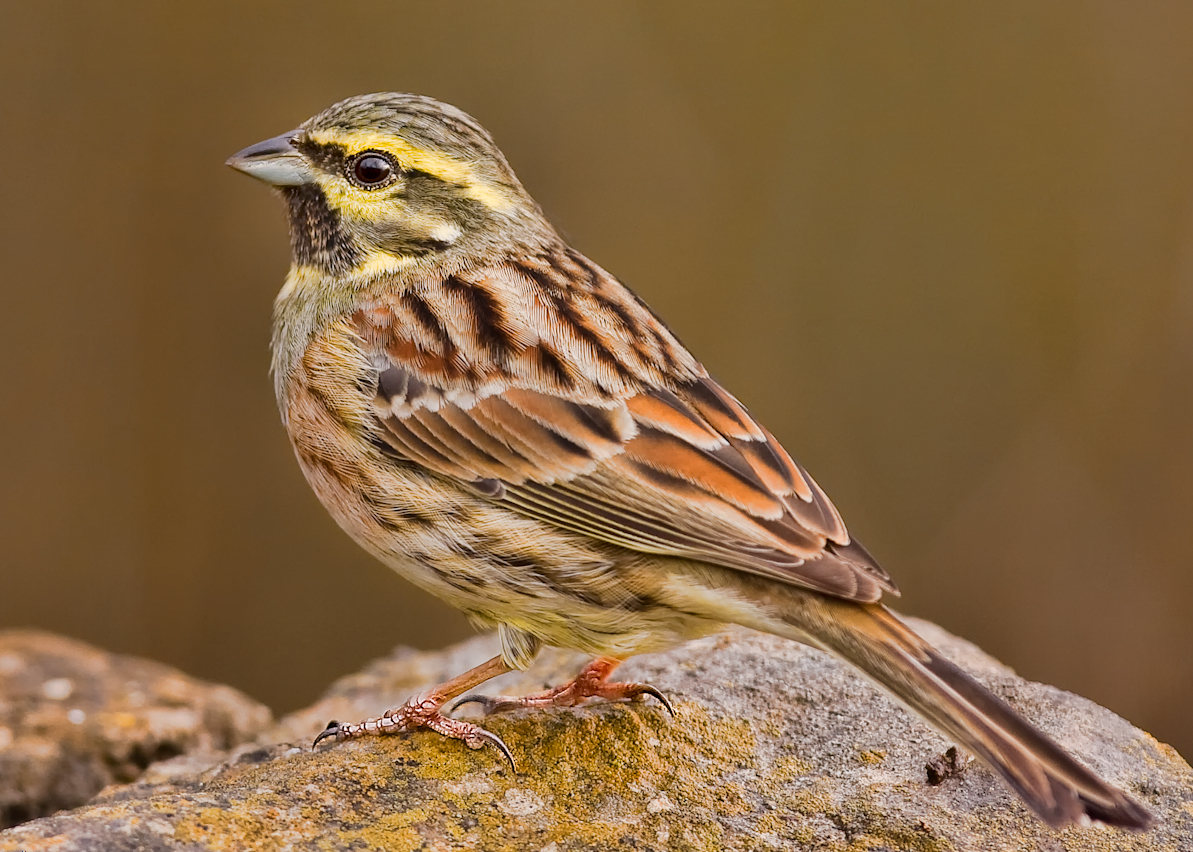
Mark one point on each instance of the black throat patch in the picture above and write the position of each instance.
(317, 237)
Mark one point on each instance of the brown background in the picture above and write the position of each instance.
(946, 254)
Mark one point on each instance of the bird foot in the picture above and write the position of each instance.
(422, 711)
(592, 682)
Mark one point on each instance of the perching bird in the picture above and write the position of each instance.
(506, 425)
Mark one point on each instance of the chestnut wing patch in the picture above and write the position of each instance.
(684, 472)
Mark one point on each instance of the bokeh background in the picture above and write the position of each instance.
(944, 250)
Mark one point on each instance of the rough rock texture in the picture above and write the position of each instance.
(74, 719)
(775, 746)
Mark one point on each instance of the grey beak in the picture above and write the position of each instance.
(275, 161)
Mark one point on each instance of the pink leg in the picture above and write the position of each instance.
(422, 711)
(592, 682)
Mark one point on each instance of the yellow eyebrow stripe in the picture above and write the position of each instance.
(437, 165)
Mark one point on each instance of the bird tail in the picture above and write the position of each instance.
(1058, 788)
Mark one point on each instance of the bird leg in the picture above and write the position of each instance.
(422, 711)
(592, 682)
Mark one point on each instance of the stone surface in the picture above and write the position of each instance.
(774, 746)
(74, 719)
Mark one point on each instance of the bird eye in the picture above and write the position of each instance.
(371, 169)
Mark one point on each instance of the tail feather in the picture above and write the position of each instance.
(1058, 788)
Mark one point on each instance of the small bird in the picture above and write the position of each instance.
(503, 423)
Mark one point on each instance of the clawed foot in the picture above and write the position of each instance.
(592, 682)
(422, 711)
(418, 712)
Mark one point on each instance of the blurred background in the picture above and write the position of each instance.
(945, 254)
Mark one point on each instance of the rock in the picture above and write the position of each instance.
(74, 719)
(774, 746)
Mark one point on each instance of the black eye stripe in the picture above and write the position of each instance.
(371, 169)
(328, 157)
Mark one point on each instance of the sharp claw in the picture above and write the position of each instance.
(647, 689)
(489, 703)
(332, 730)
(483, 700)
(494, 740)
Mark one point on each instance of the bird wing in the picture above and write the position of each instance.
(547, 385)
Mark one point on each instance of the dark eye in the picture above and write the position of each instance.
(371, 169)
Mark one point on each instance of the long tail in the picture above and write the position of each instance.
(1053, 784)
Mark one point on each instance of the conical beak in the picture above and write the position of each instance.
(274, 161)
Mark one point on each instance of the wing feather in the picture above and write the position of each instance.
(595, 439)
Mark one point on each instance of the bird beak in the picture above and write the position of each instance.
(275, 161)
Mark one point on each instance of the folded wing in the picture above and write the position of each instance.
(575, 406)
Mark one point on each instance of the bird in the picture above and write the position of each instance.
(505, 424)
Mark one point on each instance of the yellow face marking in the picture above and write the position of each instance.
(433, 163)
(375, 264)
(366, 205)
(381, 263)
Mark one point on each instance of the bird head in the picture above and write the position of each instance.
(389, 183)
